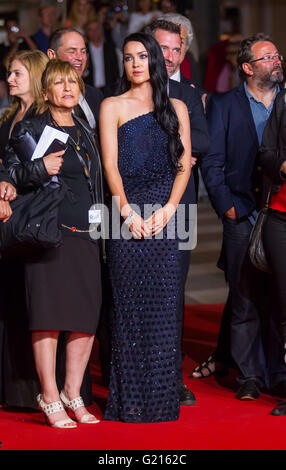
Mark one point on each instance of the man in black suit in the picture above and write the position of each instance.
(186, 38)
(69, 45)
(168, 36)
(187, 35)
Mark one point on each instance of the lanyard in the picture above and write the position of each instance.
(86, 168)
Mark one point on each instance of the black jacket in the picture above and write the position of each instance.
(94, 98)
(272, 152)
(4, 139)
(6, 126)
(199, 128)
(201, 90)
(199, 133)
(4, 175)
(27, 174)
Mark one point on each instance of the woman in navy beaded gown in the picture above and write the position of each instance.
(145, 138)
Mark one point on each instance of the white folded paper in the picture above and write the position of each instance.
(49, 134)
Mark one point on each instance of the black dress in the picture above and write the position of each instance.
(145, 279)
(63, 284)
(19, 381)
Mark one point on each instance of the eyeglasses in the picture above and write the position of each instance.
(269, 58)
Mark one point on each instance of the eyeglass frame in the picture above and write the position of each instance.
(270, 59)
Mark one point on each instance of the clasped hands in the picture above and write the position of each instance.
(141, 228)
(7, 193)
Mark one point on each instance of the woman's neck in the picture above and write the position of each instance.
(142, 92)
(25, 104)
(62, 117)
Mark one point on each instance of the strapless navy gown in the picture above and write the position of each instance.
(145, 283)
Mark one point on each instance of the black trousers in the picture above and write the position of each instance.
(185, 263)
(251, 327)
(185, 251)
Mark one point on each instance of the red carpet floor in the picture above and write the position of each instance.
(217, 422)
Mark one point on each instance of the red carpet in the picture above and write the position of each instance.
(218, 421)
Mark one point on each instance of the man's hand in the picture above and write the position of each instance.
(5, 211)
(203, 98)
(231, 213)
(193, 161)
(7, 191)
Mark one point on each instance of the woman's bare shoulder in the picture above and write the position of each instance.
(113, 104)
(179, 105)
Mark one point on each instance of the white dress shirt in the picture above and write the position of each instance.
(98, 65)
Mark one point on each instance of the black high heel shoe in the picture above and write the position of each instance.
(280, 409)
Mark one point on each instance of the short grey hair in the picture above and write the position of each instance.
(183, 21)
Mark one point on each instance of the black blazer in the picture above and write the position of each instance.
(199, 133)
(199, 129)
(201, 90)
(94, 97)
(229, 169)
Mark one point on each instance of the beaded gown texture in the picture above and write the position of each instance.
(145, 279)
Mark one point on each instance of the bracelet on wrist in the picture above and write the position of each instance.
(128, 219)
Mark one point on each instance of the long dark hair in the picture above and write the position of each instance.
(163, 108)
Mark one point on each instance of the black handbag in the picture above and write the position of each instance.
(256, 249)
(34, 221)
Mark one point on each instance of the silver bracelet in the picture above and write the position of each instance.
(128, 219)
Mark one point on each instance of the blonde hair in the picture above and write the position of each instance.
(35, 63)
(58, 67)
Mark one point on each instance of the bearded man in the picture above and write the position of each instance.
(236, 123)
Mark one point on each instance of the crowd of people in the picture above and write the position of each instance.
(137, 132)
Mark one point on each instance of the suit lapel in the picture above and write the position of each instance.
(246, 110)
(185, 80)
(173, 90)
